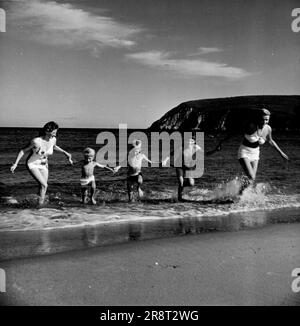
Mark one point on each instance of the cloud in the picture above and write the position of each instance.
(65, 25)
(205, 50)
(188, 67)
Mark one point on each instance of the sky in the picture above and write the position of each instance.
(97, 64)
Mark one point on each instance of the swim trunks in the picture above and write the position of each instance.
(134, 178)
(87, 181)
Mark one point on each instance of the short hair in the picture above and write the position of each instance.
(265, 112)
(48, 127)
(89, 152)
(137, 143)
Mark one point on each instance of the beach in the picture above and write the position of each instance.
(249, 267)
(214, 199)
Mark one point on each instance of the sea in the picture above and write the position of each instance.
(215, 193)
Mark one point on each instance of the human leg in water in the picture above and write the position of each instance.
(183, 182)
(93, 193)
(130, 185)
(139, 183)
(84, 195)
(41, 176)
(250, 169)
(180, 180)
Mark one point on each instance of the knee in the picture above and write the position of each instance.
(192, 182)
(44, 186)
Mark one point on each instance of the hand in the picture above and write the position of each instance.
(13, 167)
(70, 160)
(284, 156)
(165, 161)
(69, 156)
(217, 149)
(116, 169)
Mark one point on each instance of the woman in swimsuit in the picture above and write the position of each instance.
(256, 134)
(37, 162)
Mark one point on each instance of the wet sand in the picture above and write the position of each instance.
(249, 267)
(51, 240)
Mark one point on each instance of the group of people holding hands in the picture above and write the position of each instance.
(256, 133)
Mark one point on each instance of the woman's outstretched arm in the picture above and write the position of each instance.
(219, 146)
(274, 145)
(20, 155)
(60, 150)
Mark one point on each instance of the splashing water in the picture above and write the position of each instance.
(230, 189)
(255, 194)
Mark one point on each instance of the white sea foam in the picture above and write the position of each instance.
(201, 203)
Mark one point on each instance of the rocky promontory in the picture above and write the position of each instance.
(229, 114)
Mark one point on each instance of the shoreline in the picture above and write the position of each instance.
(14, 219)
(28, 243)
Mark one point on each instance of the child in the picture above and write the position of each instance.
(187, 164)
(134, 174)
(87, 175)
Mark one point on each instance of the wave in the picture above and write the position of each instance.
(65, 210)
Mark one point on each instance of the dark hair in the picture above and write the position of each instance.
(48, 127)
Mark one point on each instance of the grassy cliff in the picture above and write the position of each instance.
(229, 114)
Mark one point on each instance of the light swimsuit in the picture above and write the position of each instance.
(250, 146)
(41, 151)
(86, 181)
(135, 164)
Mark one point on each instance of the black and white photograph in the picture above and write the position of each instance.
(149, 155)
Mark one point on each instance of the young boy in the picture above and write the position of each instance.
(134, 175)
(87, 175)
(187, 164)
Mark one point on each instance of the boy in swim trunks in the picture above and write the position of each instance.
(187, 164)
(135, 159)
(134, 173)
(87, 175)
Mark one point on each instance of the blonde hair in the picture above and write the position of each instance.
(265, 112)
(89, 152)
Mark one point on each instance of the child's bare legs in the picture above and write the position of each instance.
(130, 185)
(140, 182)
(180, 179)
(131, 181)
(183, 182)
(84, 195)
(93, 192)
(41, 176)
